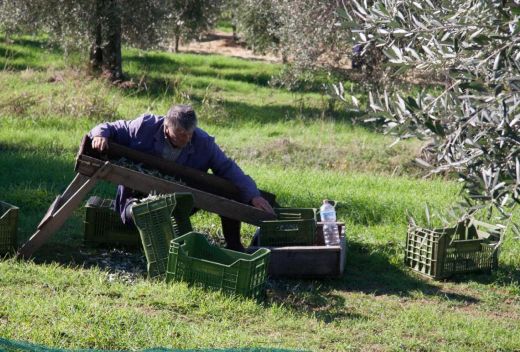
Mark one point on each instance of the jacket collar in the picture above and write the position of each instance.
(158, 137)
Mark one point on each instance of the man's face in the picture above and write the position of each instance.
(178, 136)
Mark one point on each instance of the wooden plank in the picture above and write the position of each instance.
(202, 200)
(192, 177)
(76, 183)
(307, 261)
(87, 165)
(58, 217)
(55, 205)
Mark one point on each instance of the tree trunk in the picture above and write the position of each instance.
(105, 52)
(112, 57)
(235, 36)
(177, 36)
(177, 39)
(96, 50)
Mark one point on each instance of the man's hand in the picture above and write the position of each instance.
(100, 143)
(262, 204)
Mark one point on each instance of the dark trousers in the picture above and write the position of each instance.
(231, 228)
(231, 232)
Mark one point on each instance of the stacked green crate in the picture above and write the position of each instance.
(293, 227)
(159, 220)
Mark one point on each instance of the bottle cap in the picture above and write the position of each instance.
(326, 201)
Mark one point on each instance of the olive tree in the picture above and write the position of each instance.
(309, 34)
(189, 18)
(259, 23)
(303, 31)
(474, 120)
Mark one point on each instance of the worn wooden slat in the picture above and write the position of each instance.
(76, 183)
(192, 177)
(308, 262)
(59, 216)
(87, 165)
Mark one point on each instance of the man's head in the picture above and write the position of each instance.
(179, 124)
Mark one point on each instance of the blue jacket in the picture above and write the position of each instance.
(146, 134)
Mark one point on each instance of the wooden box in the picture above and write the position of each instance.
(312, 262)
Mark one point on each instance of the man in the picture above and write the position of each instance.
(177, 138)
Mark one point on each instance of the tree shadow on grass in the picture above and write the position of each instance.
(34, 43)
(8, 53)
(236, 112)
(507, 275)
(11, 52)
(369, 271)
(31, 178)
(153, 63)
(151, 66)
(273, 113)
(310, 297)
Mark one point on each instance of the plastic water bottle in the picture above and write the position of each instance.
(330, 227)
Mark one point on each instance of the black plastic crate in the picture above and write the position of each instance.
(293, 227)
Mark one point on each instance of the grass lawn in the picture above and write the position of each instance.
(299, 145)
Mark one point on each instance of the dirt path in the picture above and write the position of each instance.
(222, 43)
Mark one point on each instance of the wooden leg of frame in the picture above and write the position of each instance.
(61, 209)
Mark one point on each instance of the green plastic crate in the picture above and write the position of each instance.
(103, 225)
(281, 233)
(296, 213)
(8, 227)
(192, 259)
(159, 221)
(293, 227)
(441, 253)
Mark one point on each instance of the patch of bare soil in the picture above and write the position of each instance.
(222, 43)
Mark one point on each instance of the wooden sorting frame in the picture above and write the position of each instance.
(210, 193)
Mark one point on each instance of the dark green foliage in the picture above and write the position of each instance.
(259, 24)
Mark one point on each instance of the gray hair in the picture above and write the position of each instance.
(181, 116)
